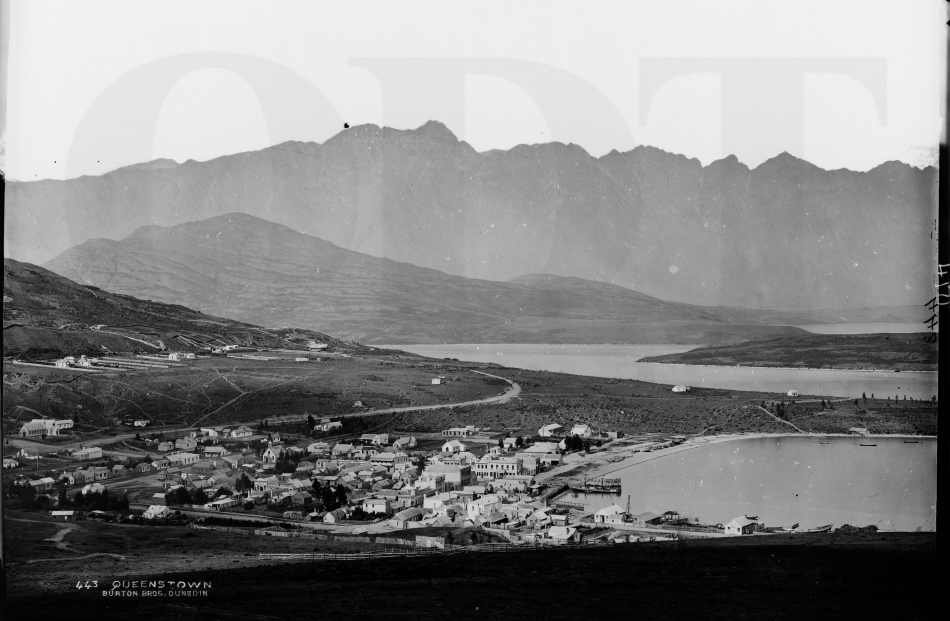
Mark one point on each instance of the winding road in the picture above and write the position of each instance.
(513, 390)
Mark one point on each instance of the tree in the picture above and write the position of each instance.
(138, 437)
(181, 496)
(519, 442)
(243, 483)
(340, 494)
(199, 497)
(822, 404)
(865, 397)
(311, 422)
(587, 445)
(501, 443)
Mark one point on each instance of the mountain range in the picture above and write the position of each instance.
(783, 235)
(264, 273)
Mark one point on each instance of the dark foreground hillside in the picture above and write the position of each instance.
(837, 576)
(906, 352)
(46, 316)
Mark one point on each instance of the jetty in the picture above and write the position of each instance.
(598, 486)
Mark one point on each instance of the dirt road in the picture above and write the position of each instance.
(512, 391)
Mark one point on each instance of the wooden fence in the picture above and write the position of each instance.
(223, 529)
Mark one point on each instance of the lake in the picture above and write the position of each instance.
(620, 361)
(784, 480)
(867, 328)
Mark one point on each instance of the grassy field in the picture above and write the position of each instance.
(880, 576)
(907, 352)
(218, 391)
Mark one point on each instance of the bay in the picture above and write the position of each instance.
(786, 480)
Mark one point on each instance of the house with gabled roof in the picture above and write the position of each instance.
(302, 499)
(186, 443)
(335, 516)
(343, 450)
(741, 526)
(32, 430)
(563, 534)
(241, 432)
(614, 514)
(453, 446)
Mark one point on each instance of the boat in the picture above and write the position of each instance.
(820, 529)
(788, 529)
(752, 517)
(911, 441)
(868, 444)
(824, 443)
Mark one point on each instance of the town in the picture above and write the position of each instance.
(465, 478)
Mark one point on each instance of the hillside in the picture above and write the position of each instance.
(784, 235)
(268, 274)
(46, 315)
(906, 352)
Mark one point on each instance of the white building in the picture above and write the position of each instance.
(741, 526)
(792, 393)
(53, 426)
(614, 514)
(32, 430)
(496, 468)
(241, 432)
(550, 430)
(681, 388)
(453, 446)
(582, 430)
(468, 430)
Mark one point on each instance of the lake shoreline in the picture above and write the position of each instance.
(604, 362)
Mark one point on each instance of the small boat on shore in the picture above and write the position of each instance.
(820, 529)
(826, 442)
(911, 441)
(788, 529)
(868, 444)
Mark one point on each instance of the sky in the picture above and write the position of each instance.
(94, 86)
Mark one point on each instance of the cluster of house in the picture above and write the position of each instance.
(195, 439)
(44, 427)
(581, 430)
(450, 486)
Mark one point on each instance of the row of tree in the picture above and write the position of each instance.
(25, 497)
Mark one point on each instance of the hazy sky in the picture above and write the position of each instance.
(93, 86)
